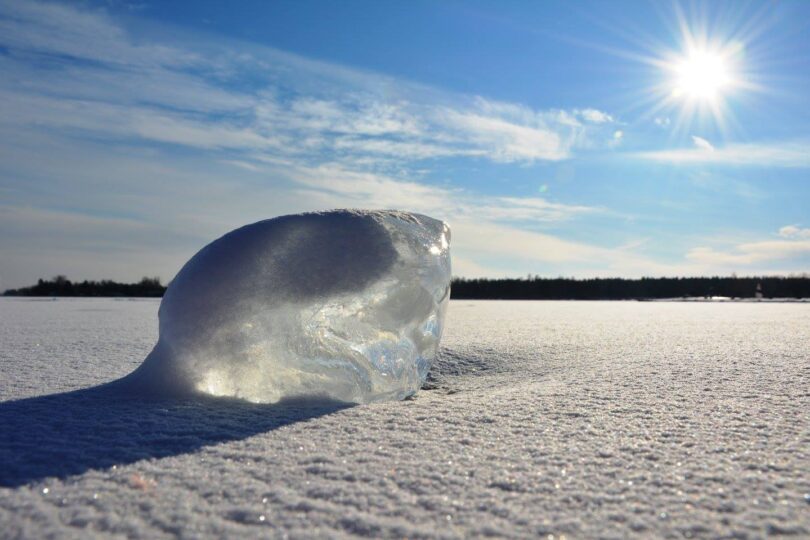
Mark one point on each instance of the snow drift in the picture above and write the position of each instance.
(344, 305)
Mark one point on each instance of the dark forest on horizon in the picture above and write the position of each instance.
(539, 288)
(530, 288)
(61, 286)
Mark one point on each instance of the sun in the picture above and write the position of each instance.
(701, 76)
(701, 82)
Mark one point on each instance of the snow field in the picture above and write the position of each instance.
(582, 419)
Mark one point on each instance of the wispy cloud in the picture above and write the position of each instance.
(793, 231)
(126, 153)
(54, 29)
(788, 154)
(702, 144)
(132, 140)
(595, 116)
(344, 186)
(91, 78)
(793, 242)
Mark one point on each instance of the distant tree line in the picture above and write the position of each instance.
(537, 288)
(530, 288)
(61, 286)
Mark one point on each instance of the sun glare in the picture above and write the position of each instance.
(702, 76)
(705, 70)
(700, 82)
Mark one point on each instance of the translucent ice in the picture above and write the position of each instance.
(345, 305)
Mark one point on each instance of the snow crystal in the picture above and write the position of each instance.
(344, 305)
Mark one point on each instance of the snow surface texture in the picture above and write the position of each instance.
(344, 305)
(583, 419)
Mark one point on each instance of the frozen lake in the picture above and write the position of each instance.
(582, 419)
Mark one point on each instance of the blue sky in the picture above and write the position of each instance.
(556, 138)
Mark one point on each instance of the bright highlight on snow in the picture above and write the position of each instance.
(344, 305)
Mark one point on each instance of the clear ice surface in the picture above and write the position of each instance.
(346, 305)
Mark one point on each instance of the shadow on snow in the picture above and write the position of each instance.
(60, 435)
(67, 434)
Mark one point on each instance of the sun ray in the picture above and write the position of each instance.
(697, 74)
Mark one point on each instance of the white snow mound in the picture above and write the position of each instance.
(346, 305)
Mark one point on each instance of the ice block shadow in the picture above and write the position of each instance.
(67, 434)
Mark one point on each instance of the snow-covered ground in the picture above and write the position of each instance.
(583, 419)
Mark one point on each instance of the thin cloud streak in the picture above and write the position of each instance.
(702, 144)
(789, 154)
(792, 242)
(793, 231)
